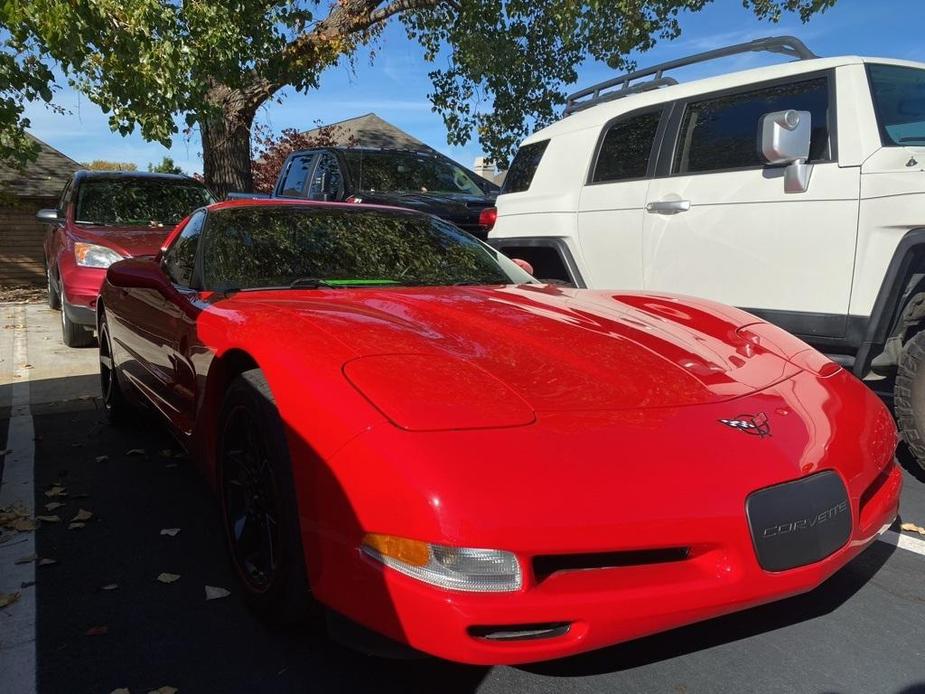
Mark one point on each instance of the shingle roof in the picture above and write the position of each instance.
(43, 177)
(372, 131)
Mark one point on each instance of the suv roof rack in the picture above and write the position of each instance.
(602, 92)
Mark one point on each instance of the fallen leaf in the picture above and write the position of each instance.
(23, 525)
(77, 445)
(82, 515)
(7, 599)
(57, 490)
(912, 528)
(28, 559)
(49, 519)
(164, 690)
(76, 526)
(215, 593)
(170, 531)
(135, 451)
(53, 505)
(110, 586)
(45, 561)
(97, 631)
(102, 458)
(166, 453)
(168, 578)
(171, 465)
(121, 690)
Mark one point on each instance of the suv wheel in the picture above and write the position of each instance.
(73, 334)
(909, 396)
(53, 298)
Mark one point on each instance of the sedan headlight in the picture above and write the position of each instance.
(92, 255)
(453, 568)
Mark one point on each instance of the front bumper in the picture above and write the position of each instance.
(80, 288)
(658, 494)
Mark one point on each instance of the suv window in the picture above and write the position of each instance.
(722, 133)
(626, 148)
(899, 100)
(180, 258)
(520, 174)
(296, 176)
(326, 182)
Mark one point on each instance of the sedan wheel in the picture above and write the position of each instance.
(114, 402)
(259, 507)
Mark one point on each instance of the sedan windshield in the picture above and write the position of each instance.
(127, 201)
(899, 98)
(391, 172)
(321, 247)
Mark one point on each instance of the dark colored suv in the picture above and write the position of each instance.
(423, 181)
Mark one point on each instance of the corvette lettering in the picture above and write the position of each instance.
(805, 523)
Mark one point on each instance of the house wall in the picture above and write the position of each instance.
(21, 237)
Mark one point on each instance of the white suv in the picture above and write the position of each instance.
(796, 192)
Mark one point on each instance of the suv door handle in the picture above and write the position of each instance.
(668, 206)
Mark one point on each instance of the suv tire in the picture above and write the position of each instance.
(909, 396)
(53, 298)
(73, 334)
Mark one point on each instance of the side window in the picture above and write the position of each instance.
(626, 147)
(180, 258)
(722, 133)
(327, 180)
(65, 196)
(520, 174)
(296, 176)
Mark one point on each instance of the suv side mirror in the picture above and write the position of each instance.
(785, 139)
(48, 216)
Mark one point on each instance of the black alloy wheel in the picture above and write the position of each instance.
(258, 503)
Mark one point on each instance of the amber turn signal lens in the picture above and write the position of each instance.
(410, 552)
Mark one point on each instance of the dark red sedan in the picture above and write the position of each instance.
(102, 217)
(409, 432)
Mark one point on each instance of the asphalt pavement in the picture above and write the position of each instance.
(102, 620)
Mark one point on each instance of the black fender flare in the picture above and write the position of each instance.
(887, 305)
(555, 242)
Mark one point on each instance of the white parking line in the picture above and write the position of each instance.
(17, 622)
(913, 544)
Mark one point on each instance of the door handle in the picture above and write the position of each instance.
(668, 206)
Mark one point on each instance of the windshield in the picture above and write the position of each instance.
(406, 171)
(127, 201)
(311, 247)
(899, 99)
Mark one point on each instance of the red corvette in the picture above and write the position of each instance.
(406, 430)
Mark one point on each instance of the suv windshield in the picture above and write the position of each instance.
(407, 172)
(283, 246)
(899, 99)
(127, 201)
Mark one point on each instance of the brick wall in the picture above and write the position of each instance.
(21, 238)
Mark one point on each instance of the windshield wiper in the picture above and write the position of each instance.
(310, 283)
(91, 223)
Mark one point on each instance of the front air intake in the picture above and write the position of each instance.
(545, 566)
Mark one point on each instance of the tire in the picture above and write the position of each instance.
(53, 298)
(909, 396)
(73, 334)
(255, 483)
(116, 405)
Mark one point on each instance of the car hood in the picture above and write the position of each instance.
(127, 241)
(533, 347)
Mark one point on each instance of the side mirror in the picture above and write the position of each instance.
(48, 216)
(523, 265)
(785, 139)
(139, 273)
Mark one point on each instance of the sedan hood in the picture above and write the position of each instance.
(127, 241)
(534, 348)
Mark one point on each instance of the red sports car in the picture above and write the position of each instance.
(407, 430)
(102, 217)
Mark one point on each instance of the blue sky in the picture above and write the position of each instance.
(395, 86)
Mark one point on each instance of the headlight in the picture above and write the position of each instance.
(453, 568)
(91, 255)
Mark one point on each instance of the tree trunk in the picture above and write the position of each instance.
(226, 152)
